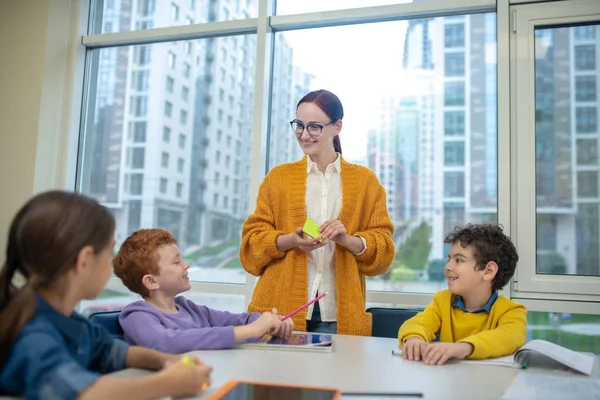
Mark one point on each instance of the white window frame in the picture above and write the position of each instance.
(527, 283)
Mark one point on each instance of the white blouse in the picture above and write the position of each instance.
(323, 202)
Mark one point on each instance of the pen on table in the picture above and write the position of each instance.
(525, 362)
(397, 352)
(188, 361)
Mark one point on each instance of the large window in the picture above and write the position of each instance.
(567, 181)
(178, 195)
(415, 96)
(454, 133)
(554, 161)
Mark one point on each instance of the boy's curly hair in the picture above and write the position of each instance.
(489, 243)
(138, 257)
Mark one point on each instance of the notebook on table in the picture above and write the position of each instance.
(543, 354)
(298, 341)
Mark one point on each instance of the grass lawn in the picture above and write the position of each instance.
(233, 263)
(566, 339)
(541, 318)
(212, 250)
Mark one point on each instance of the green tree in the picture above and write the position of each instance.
(414, 252)
(552, 264)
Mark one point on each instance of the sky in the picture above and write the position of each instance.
(359, 63)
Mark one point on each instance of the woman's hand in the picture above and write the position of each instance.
(334, 229)
(296, 239)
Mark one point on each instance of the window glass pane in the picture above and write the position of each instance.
(454, 153)
(579, 332)
(454, 93)
(585, 88)
(587, 184)
(127, 15)
(397, 132)
(454, 123)
(139, 131)
(137, 158)
(586, 119)
(285, 7)
(587, 151)
(178, 137)
(566, 145)
(454, 35)
(454, 184)
(454, 64)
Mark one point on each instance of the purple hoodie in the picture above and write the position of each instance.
(192, 327)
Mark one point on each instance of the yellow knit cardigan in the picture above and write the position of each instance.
(283, 282)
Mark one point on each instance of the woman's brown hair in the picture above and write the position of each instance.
(44, 241)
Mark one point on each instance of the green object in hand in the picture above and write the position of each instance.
(311, 228)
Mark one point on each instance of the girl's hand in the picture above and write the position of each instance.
(187, 380)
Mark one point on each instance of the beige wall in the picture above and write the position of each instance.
(22, 48)
(36, 73)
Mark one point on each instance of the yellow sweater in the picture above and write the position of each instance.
(495, 334)
(280, 209)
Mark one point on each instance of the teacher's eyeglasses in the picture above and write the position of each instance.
(313, 129)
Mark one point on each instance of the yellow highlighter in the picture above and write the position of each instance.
(188, 361)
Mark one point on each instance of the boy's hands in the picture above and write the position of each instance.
(285, 329)
(439, 353)
(413, 349)
(416, 349)
(185, 379)
(268, 322)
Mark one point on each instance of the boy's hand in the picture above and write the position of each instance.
(413, 349)
(187, 380)
(268, 322)
(286, 328)
(439, 353)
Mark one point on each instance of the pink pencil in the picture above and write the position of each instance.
(303, 307)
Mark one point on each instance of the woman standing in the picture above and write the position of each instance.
(355, 234)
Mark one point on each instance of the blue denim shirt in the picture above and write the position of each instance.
(459, 302)
(58, 357)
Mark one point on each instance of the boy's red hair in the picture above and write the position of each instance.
(138, 257)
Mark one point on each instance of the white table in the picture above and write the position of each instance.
(359, 364)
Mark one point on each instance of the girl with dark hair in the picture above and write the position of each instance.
(355, 240)
(61, 243)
